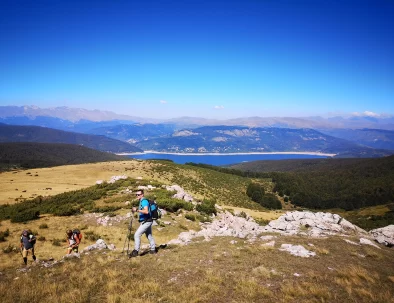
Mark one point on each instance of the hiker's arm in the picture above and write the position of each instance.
(76, 240)
(144, 210)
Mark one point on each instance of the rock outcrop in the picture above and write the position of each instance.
(384, 235)
(180, 193)
(313, 224)
(224, 225)
(99, 245)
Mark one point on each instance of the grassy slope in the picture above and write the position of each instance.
(215, 271)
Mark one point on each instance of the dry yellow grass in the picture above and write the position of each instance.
(25, 184)
(265, 215)
(215, 271)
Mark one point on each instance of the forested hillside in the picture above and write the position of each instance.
(14, 133)
(36, 155)
(330, 183)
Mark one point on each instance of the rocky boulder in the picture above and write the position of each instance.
(384, 235)
(313, 224)
(225, 224)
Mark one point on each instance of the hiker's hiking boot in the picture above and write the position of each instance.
(133, 254)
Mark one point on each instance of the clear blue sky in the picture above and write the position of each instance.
(214, 59)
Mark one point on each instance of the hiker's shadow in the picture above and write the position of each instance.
(162, 246)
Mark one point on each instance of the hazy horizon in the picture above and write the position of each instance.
(204, 59)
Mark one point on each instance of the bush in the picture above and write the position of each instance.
(203, 219)
(254, 187)
(173, 205)
(183, 227)
(4, 235)
(243, 214)
(8, 249)
(56, 242)
(255, 192)
(43, 226)
(207, 207)
(190, 217)
(257, 196)
(25, 216)
(261, 222)
(271, 201)
(90, 235)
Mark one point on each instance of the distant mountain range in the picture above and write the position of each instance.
(234, 139)
(346, 137)
(74, 117)
(15, 133)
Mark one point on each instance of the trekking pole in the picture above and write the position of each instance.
(128, 237)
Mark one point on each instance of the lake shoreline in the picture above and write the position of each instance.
(227, 154)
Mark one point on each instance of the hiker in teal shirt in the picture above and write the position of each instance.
(145, 225)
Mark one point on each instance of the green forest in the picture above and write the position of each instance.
(37, 155)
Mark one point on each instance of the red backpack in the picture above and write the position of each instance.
(77, 232)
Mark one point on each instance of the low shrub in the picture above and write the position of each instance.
(9, 249)
(207, 207)
(25, 216)
(90, 235)
(43, 226)
(261, 222)
(190, 217)
(56, 242)
(181, 226)
(4, 235)
(203, 219)
(271, 201)
(173, 205)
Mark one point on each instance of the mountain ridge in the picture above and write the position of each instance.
(15, 133)
(78, 114)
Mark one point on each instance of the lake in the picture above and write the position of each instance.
(222, 159)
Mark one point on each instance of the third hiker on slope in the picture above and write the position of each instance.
(145, 225)
(73, 242)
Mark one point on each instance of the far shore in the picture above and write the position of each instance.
(228, 154)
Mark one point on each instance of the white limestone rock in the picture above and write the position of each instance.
(297, 250)
(384, 235)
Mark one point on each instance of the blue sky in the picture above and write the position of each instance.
(213, 59)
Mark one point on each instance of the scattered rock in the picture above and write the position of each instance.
(269, 244)
(297, 250)
(72, 256)
(384, 235)
(368, 242)
(351, 242)
(99, 245)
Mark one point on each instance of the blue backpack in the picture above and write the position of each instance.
(154, 210)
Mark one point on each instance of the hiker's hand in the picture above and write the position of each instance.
(133, 209)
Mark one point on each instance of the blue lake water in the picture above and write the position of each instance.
(222, 159)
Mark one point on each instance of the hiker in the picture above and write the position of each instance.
(145, 225)
(28, 240)
(73, 242)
